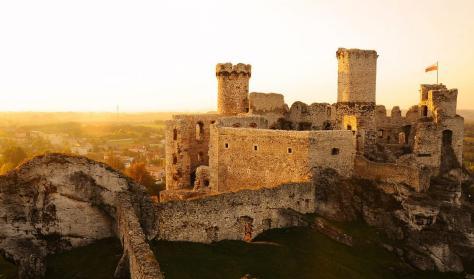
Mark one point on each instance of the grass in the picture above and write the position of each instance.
(7, 269)
(287, 253)
(279, 253)
(96, 261)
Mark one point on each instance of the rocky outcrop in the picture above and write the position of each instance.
(434, 230)
(57, 202)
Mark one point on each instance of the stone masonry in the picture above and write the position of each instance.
(256, 140)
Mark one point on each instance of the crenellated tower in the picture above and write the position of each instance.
(232, 88)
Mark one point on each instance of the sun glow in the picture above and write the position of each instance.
(160, 55)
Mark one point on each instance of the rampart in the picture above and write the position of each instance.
(137, 254)
(238, 216)
(253, 158)
(416, 177)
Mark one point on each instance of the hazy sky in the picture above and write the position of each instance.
(160, 55)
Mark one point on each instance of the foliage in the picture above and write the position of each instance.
(139, 173)
(13, 154)
(114, 162)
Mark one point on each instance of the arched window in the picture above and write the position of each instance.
(199, 130)
(175, 134)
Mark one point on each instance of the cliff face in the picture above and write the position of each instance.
(431, 231)
(56, 202)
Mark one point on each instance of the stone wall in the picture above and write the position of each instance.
(187, 145)
(271, 105)
(237, 216)
(244, 121)
(317, 116)
(255, 158)
(415, 177)
(141, 261)
(232, 88)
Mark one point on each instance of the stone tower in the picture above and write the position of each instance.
(356, 95)
(356, 75)
(232, 88)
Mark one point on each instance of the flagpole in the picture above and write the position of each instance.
(437, 71)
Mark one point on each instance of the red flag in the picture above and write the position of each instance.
(433, 67)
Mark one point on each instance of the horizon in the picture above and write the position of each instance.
(95, 55)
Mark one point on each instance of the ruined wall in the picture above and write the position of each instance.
(187, 145)
(392, 129)
(244, 121)
(238, 216)
(256, 158)
(232, 88)
(142, 263)
(443, 102)
(271, 105)
(317, 116)
(356, 75)
(417, 178)
(364, 113)
(428, 141)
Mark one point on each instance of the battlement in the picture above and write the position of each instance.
(226, 69)
(355, 52)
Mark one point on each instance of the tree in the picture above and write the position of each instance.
(13, 155)
(114, 162)
(139, 173)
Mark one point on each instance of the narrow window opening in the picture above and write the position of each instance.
(175, 134)
(290, 150)
(199, 130)
(226, 145)
(380, 133)
(255, 147)
(175, 160)
(334, 151)
(424, 111)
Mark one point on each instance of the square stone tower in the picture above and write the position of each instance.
(357, 71)
(356, 95)
(233, 88)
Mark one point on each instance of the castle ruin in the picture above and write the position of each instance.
(255, 140)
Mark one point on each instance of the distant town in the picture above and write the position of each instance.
(132, 145)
